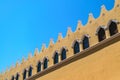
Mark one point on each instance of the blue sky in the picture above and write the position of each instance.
(26, 24)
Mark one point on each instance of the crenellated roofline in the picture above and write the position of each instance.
(81, 29)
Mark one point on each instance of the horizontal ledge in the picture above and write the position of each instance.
(80, 55)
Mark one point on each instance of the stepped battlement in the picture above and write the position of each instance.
(85, 36)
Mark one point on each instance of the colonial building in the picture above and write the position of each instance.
(92, 52)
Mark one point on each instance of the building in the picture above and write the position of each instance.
(91, 52)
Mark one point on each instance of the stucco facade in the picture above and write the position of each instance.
(100, 61)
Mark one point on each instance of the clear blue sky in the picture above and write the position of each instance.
(26, 24)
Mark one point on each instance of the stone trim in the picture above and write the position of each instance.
(108, 25)
(77, 40)
(85, 35)
(55, 53)
(103, 27)
(62, 50)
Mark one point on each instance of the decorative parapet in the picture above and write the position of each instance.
(117, 3)
(17, 64)
(60, 37)
(79, 25)
(43, 47)
(51, 42)
(103, 10)
(29, 56)
(23, 60)
(90, 18)
(36, 52)
(69, 31)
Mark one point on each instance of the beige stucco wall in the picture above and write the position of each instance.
(101, 65)
(90, 28)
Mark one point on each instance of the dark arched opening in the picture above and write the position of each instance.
(13, 78)
(101, 34)
(45, 64)
(39, 67)
(113, 28)
(30, 72)
(63, 54)
(24, 74)
(85, 42)
(76, 48)
(17, 77)
(56, 58)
